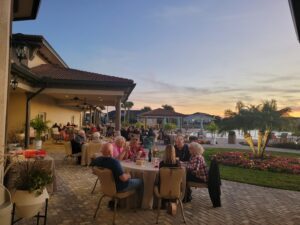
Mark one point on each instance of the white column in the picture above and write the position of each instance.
(5, 34)
(118, 118)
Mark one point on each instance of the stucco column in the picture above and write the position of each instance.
(5, 34)
(118, 118)
(178, 122)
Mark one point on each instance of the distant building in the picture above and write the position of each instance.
(197, 120)
(159, 117)
(133, 115)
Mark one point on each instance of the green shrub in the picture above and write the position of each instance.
(40, 126)
(170, 126)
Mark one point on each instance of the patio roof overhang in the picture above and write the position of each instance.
(25, 9)
(295, 11)
(73, 93)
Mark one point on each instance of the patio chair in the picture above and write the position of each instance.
(68, 151)
(92, 151)
(108, 188)
(56, 136)
(170, 187)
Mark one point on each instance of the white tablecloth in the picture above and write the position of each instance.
(148, 174)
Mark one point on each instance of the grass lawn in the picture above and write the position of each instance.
(257, 177)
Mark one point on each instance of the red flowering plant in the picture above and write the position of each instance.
(269, 162)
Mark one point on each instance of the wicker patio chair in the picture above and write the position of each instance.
(108, 188)
(170, 187)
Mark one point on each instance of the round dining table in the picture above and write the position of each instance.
(148, 173)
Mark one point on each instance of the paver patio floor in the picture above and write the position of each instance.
(73, 203)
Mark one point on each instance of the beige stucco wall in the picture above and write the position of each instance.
(16, 112)
(39, 104)
(54, 113)
(36, 61)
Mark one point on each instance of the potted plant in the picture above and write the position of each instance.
(40, 126)
(30, 194)
(231, 137)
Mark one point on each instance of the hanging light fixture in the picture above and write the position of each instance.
(21, 51)
(14, 83)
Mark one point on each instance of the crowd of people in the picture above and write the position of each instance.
(174, 156)
(129, 146)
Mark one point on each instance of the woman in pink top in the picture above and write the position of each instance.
(118, 147)
(134, 150)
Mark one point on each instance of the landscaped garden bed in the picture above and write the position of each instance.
(267, 178)
(268, 163)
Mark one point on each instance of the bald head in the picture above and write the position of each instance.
(107, 150)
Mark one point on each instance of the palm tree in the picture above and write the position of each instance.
(264, 117)
(168, 107)
(127, 106)
(146, 109)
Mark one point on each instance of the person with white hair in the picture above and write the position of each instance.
(118, 146)
(96, 137)
(196, 167)
(80, 138)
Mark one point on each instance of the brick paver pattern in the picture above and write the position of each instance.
(74, 204)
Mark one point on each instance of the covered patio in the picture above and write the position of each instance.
(80, 92)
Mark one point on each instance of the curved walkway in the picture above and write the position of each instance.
(222, 143)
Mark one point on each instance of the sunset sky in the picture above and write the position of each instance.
(196, 55)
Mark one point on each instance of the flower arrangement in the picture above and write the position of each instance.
(269, 163)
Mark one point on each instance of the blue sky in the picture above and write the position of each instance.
(197, 55)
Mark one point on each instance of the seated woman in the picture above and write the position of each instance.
(168, 161)
(118, 147)
(169, 158)
(134, 150)
(196, 168)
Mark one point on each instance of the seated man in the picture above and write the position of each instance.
(123, 181)
(182, 149)
(80, 138)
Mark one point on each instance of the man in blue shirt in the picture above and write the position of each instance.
(123, 181)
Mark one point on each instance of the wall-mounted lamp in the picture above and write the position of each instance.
(21, 51)
(14, 83)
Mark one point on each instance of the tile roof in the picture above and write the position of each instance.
(161, 112)
(59, 73)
